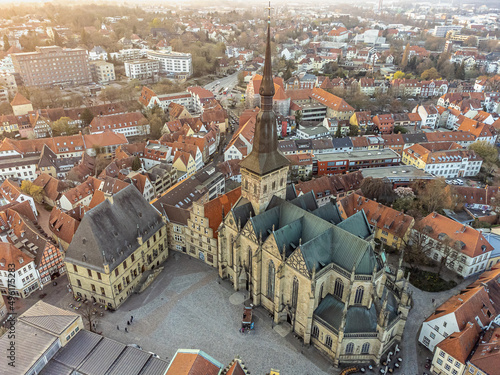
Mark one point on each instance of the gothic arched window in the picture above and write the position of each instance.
(315, 332)
(295, 292)
(365, 349)
(270, 280)
(338, 290)
(349, 349)
(359, 295)
(328, 341)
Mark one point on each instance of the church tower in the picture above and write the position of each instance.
(264, 171)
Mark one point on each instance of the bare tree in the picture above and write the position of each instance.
(89, 315)
(418, 247)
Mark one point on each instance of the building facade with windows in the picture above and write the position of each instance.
(142, 68)
(102, 71)
(461, 248)
(18, 275)
(115, 243)
(53, 65)
(173, 62)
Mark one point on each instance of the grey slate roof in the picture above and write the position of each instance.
(322, 242)
(31, 344)
(330, 310)
(329, 212)
(56, 368)
(414, 137)
(102, 357)
(108, 233)
(360, 319)
(357, 224)
(49, 318)
(342, 142)
(154, 366)
(91, 354)
(78, 349)
(131, 361)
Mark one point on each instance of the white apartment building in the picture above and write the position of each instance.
(429, 115)
(454, 315)
(443, 160)
(129, 124)
(131, 54)
(142, 68)
(172, 62)
(102, 71)
(18, 274)
(461, 248)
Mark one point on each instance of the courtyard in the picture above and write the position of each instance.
(189, 307)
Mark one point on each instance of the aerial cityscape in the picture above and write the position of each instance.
(274, 188)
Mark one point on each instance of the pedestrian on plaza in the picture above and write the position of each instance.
(126, 330)
(128, 322)
(118, 328)
(131, 318)
(433, 300)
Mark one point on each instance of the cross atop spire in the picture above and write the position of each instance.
(265, 157)
(267, 86)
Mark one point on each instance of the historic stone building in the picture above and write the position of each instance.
(313, 271)
(115, 247)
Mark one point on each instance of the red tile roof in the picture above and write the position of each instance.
(467, 240)
(216, 207)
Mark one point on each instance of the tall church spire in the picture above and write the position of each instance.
(265, 156)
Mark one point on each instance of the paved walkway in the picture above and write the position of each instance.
(186, 307)
(414, 353)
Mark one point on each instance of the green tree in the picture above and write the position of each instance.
(460, 71)
(487, 152)
(33, 190)
(431, 73)
(353, 130)
(399, 74)
(6, 44)
(471, 41)
(136, 164)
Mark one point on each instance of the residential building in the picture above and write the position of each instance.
(52, 65)
(102, 71)
(336, 106)
(19, 276)
(429, 115)
(115, 243)
(392, 227)
(460, 248)
(11, 192)
(63, 224)
(451, 354)
(129, 124)
(20, 105)
(384, 123)
(470, 307)
(174, 63)
(485, 359)
(300, 166)
(443, 159)
(142, 69)
(327, 188)
(204, 220)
